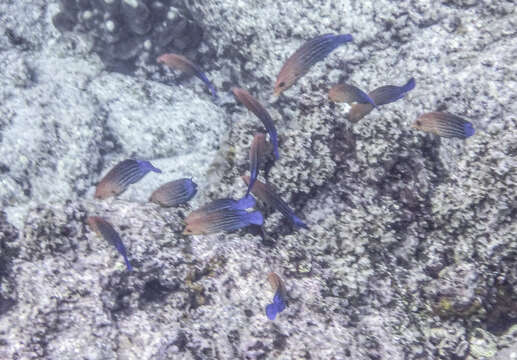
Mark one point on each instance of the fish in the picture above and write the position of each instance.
(267, 194)
(174, 193)
(279, 299)
(380, 96)
(181, 63)
(122, 175)
(389, 93)
(222, 220)
(106, 230)
(349, 94)
(257, 151)
(444, 124)
(245, 98)
(244, 203)
(313, 51)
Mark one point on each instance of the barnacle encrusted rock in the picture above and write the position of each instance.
(411, 251)
(130, 33)
(61, 132)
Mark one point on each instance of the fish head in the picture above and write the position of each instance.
(336, 93)
(104, 191)
(195, 227)
(418, 124)
(237, 92)
(162, 59)
(281, 85)
(188, 230)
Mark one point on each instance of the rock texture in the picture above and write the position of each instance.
(411, 251)
(130, 33)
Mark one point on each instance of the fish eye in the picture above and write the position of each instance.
(418, 123)
(282, 84)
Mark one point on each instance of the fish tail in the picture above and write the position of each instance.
(147, 166)
(155, 169)
(298, 222)
(280, 303)
(128, 264)
(275, 151)
(343, 38)
(410, 85)
(208, 83)
(212, 90)
(246, 202)
(469, 129)
(255, 217)
(271, 311)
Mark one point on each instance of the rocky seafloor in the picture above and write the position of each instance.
(411, 252)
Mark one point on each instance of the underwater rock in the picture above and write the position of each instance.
(403, 226)
(138, 18)
(129, 33)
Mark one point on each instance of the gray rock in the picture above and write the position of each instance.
(410, 252)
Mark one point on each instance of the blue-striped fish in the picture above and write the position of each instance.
(349, 94)
(122, 175)
(390, 93)
(381, 96)
(257, 151)
(306, 56)
(267, 194)
(181, 63)
(279, 299)
(174, 192)
(222, 220)
(256, 108)
(106, 230)
(244, 203)
(445, 125)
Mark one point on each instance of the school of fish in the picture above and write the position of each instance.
(226, 214)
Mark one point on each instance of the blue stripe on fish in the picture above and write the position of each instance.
(306, 56)
(201, 75)
(445, 125)
(122, 175)
(106, 230)
(182, 63)
(174, 192)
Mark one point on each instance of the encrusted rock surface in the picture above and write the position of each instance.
(130, 33)
(411, 251)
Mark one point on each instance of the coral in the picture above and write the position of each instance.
(127, 32)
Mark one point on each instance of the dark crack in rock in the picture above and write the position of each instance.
(9, 251)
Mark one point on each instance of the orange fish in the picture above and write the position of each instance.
(181, 63)
(445, 125)
(314, 50)
(221, 220)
